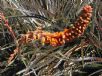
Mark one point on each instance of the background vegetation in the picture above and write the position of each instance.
(81, 57)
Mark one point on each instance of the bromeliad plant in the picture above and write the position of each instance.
(57, 38)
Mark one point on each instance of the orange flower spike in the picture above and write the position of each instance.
(7, 25)
(58, 38)
(66, 35)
